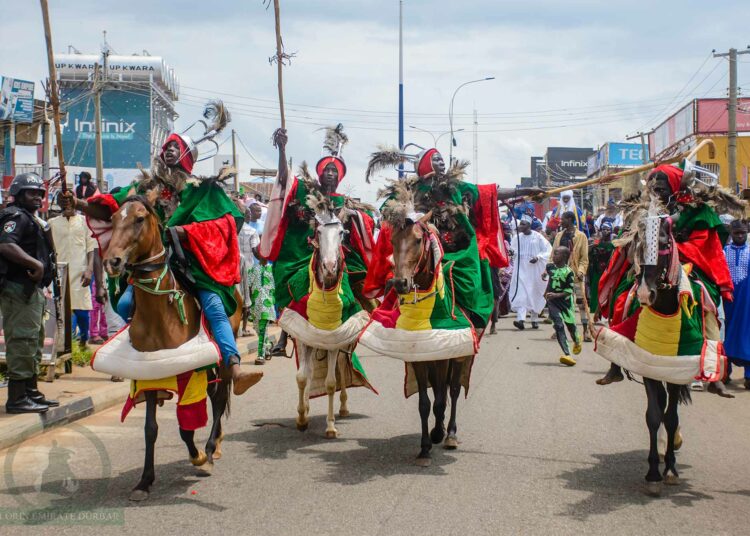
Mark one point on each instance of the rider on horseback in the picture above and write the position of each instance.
(205, 220)
(699, 236)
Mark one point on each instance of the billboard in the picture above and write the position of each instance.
(712, 116)
(125, 127)
(625, 154)
(566, 162)
(16, 100)
(676, 128)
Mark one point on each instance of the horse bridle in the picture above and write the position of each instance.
(341, 250)
(421, 264)
(663, 281)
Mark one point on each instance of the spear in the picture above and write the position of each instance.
(54, 97)
(645, 167)
(280, 58)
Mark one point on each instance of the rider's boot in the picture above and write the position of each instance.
(242, 381)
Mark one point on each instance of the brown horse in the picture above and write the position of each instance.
(136, 247)
(414, 272)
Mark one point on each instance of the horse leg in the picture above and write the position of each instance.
(439, 381)
(451, 442)
(671, 422)
(656, 396)
(420, 372)
(302, 383)
(219, 395)
(344, 396)
(151, 431)
(331, 432)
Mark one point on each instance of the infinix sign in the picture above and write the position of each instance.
(125, 127)
(111, 130)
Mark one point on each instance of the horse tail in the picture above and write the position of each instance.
(683, 395)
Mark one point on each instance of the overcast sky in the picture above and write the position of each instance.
(575, 73)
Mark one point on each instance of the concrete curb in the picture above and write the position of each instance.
(22, 427)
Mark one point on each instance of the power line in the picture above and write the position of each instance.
(248, 152)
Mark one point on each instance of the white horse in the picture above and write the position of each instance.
(325, 340)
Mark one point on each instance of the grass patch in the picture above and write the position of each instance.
(81, 358)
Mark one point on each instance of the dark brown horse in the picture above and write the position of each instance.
(658, 277)
(157, 323)
(414, 273)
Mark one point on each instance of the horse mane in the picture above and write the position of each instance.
(400, 206)
(142, 200)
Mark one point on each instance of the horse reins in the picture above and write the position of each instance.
(418, 267)
(174, 294)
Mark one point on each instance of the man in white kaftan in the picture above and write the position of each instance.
(75, 246)
(532, 251)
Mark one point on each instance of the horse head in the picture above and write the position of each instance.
(328, 239)
(658, 267)
(412, 237)
(136, 236)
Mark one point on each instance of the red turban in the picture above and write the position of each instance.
(673, 173)
(186, 156)
(338, 162)
(424, 168)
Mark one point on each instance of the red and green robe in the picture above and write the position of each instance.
(210, 220)
(325, 319)
(468, 269)
(641, 340)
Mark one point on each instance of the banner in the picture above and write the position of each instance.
(16, 100)
(125, 127)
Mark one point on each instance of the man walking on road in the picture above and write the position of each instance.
(573, 239)
(529, 262)
(26, 268)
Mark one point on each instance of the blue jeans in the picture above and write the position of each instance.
(80, 320)
(125, 304)
(213, 309)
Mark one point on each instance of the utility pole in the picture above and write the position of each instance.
(476, 149)
(98, 127)
(644, 152)
(234, 165)
(732, 114)
(401, 82)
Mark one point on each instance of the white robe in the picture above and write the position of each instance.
(527, 276)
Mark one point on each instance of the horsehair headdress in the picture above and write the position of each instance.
(387, 157)
(334, 141)
(215, 119)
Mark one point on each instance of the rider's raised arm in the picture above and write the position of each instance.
(279, 140)
(93, 210)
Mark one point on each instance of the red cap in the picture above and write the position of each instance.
(673, 173)
(338, 162)
(424, 168)
(186, 157)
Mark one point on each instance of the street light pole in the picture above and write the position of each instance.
(450, 111)
(435, 139)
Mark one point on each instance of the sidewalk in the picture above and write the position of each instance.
(83, 393)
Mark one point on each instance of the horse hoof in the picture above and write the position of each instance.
(423, 462)
(217, 451)
(653, 489)
(302, 426)
(451, 443)
(671, 479)
(138, 495)
(200, 459)
(344, 413)
(205, 470)
(331, 434)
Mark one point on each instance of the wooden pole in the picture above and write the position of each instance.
(279, 60)
(54, 98)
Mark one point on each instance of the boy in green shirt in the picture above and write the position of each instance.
(560, 295)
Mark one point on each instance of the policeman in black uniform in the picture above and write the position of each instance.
(26, 268)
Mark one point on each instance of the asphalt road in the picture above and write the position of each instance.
(543, 451)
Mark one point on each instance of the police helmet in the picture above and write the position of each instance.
(26, 181)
